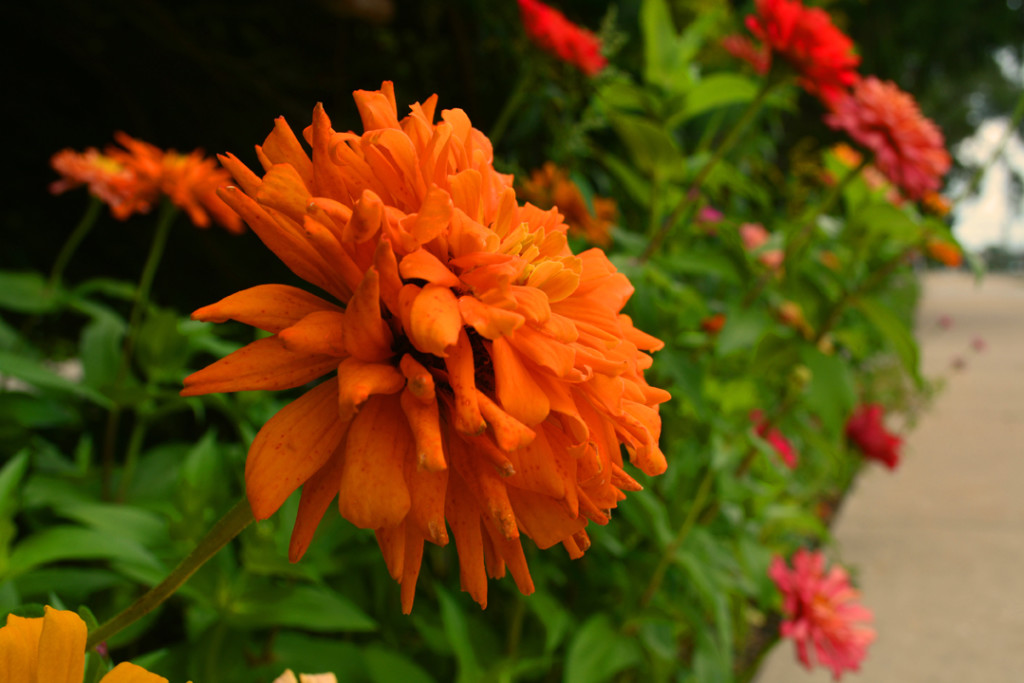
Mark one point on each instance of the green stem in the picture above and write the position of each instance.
(92, 212)
(803, 236)
(670, 550)
(229, 526)
(168, 212)
(692, 195)
(511, 106)
(131, 457)
(877, 277)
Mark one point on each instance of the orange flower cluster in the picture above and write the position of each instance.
(549, 28)
(944, 252)
(485, 375)
(873, 178)
(131, 178)
(909, 148)
(806, 38)
(551, 186)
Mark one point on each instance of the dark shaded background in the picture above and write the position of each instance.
(214, 74)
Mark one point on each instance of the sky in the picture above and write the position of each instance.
(994, 216)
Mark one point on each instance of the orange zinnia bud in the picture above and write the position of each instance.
(945, 253)
(486, 377)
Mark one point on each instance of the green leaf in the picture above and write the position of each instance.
(717, 90)
(831, 393)
(100, 350)
(649, 144)
(26, 292)
(58, 543)
(386, 666)
(10, 479)
(743, 329)
(38, 375)
(130, 522)
(664, 61)
(598, 652)
(457, 630)
(882, 220)
(895, 331)
(161, 349)
(311, 608)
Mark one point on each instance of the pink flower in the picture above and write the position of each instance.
(978, 344)
(866, 429)
(741, 47)
(772, 258)
(821, 612)
(774, 437)
(709, 214)
(753, 235)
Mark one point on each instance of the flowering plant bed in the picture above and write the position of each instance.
(567, 394)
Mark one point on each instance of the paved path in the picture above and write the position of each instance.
(938, 546)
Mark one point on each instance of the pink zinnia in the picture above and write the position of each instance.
(908, 147)
(549, 28)
(866, 429)
(806, 38)
(821, 612)
(774, 437)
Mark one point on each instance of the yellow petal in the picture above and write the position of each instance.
(19, 649)
(61, 647)
(126, 672)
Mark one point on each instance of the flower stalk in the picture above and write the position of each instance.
(688, 204)
(92, 212)
(230, 525)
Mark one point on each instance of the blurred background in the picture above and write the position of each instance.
(214, 74)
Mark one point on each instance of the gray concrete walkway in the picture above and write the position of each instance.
(938, 546)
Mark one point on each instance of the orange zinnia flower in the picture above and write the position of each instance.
(108, 180)
(51, 649)
(190, 181)
(550, 187)
(909, 148)
(944, 252)
(485, 375)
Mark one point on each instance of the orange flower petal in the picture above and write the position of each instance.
(319, 333)
(19, 648)
(367, 215)
(427, 490)
(545, 351)
(463, 515)
(433, 217)
(357, 381)
(490, 322)
(263, 364)
(367, 336)
(422, 265)
(515, 386)
(487, 485)
(392, 546)
(424, 421)
(126, 672)
(542, 518)
(390, 281)
(61, 647)
(509, 432)
(291, 447)
(411, 567)
(435, 320)
(268, 307)
(420, 381)
(282, 147)
(461, 377)
(317, 494)
(372, 493)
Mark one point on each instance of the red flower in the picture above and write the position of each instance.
(909, 148)
(741, 47)
(713, 324)
(806, 38)
(773, 436)
(108, 180)
(550, 29)
(866, 429)
(821, 612)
